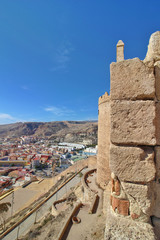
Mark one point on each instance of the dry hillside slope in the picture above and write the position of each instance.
(71, 131)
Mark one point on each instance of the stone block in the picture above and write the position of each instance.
(157, 79)
(157, 161)
(133, 122)
(132, 79)
(153, 52)
(123, 228)
(133, 164)
(156, 210)
(140, 194)
(158, 123)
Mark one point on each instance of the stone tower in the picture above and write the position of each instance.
(103, 171)
(134, 142)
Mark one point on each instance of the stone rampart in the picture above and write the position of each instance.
(103, 171)
(132, 118)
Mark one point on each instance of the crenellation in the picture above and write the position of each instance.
(104, 98)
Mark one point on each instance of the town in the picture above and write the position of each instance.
(27, 159)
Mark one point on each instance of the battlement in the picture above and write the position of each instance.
(104, 98)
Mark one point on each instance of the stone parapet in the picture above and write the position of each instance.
(131, 116)
(132, 80)
(104, 98)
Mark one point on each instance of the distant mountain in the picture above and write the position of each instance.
(70, 131)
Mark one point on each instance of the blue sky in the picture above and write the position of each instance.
(55, 54)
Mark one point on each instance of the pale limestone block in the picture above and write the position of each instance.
(132, 79)
(133, 164)
(141, 196)
(120, 51)
(133, 122)
(156, 211)
(157, 162)
(123, 228)
(153, 52)
(157, 79)
(157, 122)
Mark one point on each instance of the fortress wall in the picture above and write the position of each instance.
(133, 137)
(135, 145)
(103, 171)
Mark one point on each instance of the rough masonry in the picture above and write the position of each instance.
(103, 170)
(129, 140)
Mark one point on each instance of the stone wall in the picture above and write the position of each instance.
(103, 171)
(134, 145)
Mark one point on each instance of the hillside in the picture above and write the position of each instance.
(70, 131)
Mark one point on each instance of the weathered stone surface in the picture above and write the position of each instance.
(157, 161)
(157, 122)
(132, 79)
(123, 228)
(140, 194)
(156, 210)
(132, 164)
(157, 79)
(103, 171)
(133, 122)
(120, 51)
(153, 47)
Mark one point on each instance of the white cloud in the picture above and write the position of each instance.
(63, 111)
(62, 56)
(5, 116)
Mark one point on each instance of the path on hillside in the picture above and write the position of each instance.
(23, 197)
(91, 225)
(26, 224)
